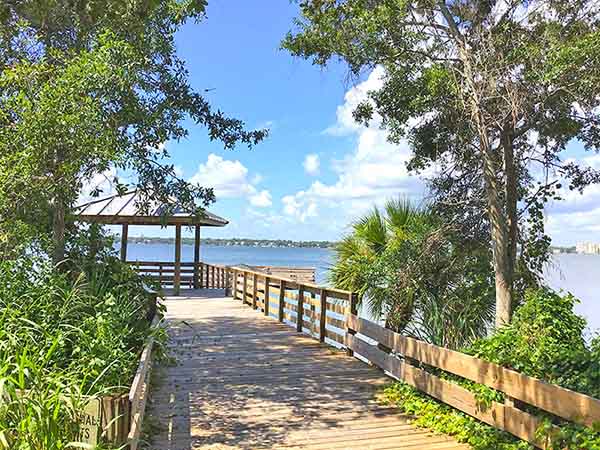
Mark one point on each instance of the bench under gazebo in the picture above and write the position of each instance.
(122, 210)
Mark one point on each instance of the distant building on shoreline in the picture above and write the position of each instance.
(587, 247)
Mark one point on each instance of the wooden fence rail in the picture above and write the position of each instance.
(327, 313)
(317, 310)
(563, 403)
(192, 275)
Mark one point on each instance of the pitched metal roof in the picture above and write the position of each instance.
(123, 209)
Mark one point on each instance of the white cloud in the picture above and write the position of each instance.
(373, 172)
(227, 178)
(261, 199)
(230, 179)
(311, 164)
(345, 123)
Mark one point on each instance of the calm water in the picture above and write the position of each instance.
(578, 274)
(318, 258)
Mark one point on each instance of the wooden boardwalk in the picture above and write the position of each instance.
(242, 380)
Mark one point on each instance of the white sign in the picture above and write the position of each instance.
(89, 423)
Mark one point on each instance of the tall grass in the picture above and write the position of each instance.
(63, 336)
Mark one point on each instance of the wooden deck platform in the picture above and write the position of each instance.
(242, 380)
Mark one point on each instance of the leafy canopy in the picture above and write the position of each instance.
(487, 93)
(91, 86)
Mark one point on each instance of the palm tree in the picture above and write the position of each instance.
(409, 271)
(359, 256)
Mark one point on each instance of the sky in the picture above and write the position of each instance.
(318, 170)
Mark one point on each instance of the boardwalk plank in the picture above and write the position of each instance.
(245, 381)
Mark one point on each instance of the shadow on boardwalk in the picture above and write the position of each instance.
(240, 380)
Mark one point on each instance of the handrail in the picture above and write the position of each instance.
(289, 280)
(404, 357)
(170, 263)
(307, 306)
(138, 393)
(401, 352)
(196, 275)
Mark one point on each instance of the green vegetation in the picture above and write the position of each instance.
(545, 340)
(88, 89)
(62, 336)
(484, 92)
(439, 417)
(417, 275)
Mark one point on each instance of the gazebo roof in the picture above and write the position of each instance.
(122, 209)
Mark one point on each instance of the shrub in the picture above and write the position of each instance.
(546, 340)
(64, 335)
(417, 275)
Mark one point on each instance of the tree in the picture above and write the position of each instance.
(90, 86)
(490, 93)
(415, 274)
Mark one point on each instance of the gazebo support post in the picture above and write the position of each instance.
(124, 242)
(177, 279)
(197, 258)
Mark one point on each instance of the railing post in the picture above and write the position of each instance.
(226, 284)
(281, 300)
(313, 312)
(352, 309)
(160, 274)
(196, 256)
(245, 287)
(200, 277)
(254, 283)
(234, 278)
(177, 276)
(212, 269)
(267, 281)
(300, 306)
(323, 315)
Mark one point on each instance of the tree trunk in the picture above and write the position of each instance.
(499, 236)
(500, 228)
(58, 231)
(511, 195)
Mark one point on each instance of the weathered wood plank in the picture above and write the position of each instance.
(243, 380)
(562, 402)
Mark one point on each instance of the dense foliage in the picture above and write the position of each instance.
(546, 340)
(488, 94)
(63, 333)
(417, 275)
(91, 88)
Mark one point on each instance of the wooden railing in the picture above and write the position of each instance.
(207, 276)
(317, 310)
(404, 358)
(301, 274)
(139, 392)
(328, 313)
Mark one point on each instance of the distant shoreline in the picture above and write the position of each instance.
(235, 242)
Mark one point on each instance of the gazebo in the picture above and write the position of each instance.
(122, 210)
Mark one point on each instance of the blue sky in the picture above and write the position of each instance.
(318, 169)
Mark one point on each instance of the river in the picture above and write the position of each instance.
(578, 274)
